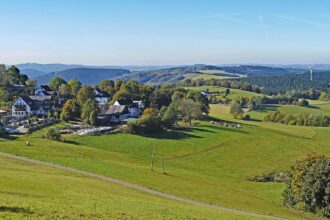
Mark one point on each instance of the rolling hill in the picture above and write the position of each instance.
(90, 75)
(256, 70)
(32, 73)
(87, 76)
(275, 84)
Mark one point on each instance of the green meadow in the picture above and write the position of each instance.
(211, 74)
(30, 191)
(234, 93)
(205, 162)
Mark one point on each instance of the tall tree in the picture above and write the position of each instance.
(90, 112)
(74, 86)
(56, 82)
(236, 111)
(70, 110)
(118, 84)
(200, 98)
(64, 90)
(30, 85)
(189, 110)
(85, 93)
(12, 75)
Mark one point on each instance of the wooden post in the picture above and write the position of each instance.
(152, 160)
(162, 162)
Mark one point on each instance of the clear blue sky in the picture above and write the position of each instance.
(118, 32)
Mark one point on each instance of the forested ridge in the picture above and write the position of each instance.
(276, 84)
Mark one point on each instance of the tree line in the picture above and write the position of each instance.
(299, 119)
(280, 84)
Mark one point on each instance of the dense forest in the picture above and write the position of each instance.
(280, 84)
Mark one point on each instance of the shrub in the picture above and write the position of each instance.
(246, 117)
(236, 111)
(308, 185)
(145, 124)
(54, 134)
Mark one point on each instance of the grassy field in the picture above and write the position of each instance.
(211, 74)
(30, 191)
(206, 163)
(234, 93)
(316, 107)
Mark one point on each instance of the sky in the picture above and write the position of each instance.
(165, 32)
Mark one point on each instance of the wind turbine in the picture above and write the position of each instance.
(311, 72)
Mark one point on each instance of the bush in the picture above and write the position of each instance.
(246, 117)
(145, 124)
(308, 186)
(54, 134)
(301, 119)
(236, 111)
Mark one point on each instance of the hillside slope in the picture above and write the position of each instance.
(87, 76)
(48, 193)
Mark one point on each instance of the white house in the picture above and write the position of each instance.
(101, 97)
(22, 107)
(33, 105)
(43, 90)
(135, 108)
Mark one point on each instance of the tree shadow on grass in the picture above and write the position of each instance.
(222, 128)
(15, 209)
(191, 129)
(313, 107)
(174, 134)
(8, 137)
(71, 142)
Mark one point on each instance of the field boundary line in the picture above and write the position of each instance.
(140, 188)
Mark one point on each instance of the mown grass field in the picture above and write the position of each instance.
(207, 163)
(234, 93)
(30, 191)
(212, 74)
(316, 107)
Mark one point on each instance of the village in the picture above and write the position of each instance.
(38, 110)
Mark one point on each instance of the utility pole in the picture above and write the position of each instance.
(153, 156)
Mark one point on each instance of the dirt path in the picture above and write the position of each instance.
(139, 188)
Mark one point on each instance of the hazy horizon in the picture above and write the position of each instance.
(165, 33)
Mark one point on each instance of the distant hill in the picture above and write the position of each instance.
(32, 73)
(252, 71)
(46, 68)
(87, 76)
(145, 74)
(175, 74)
(167, 76)
(283, 83)
(49, 68)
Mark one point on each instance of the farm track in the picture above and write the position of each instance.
(141, 188)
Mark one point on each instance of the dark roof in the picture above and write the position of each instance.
(27, 99)
(115, 110)
(125, 102)
(14, 87)
(101, 94)
(46, 88)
